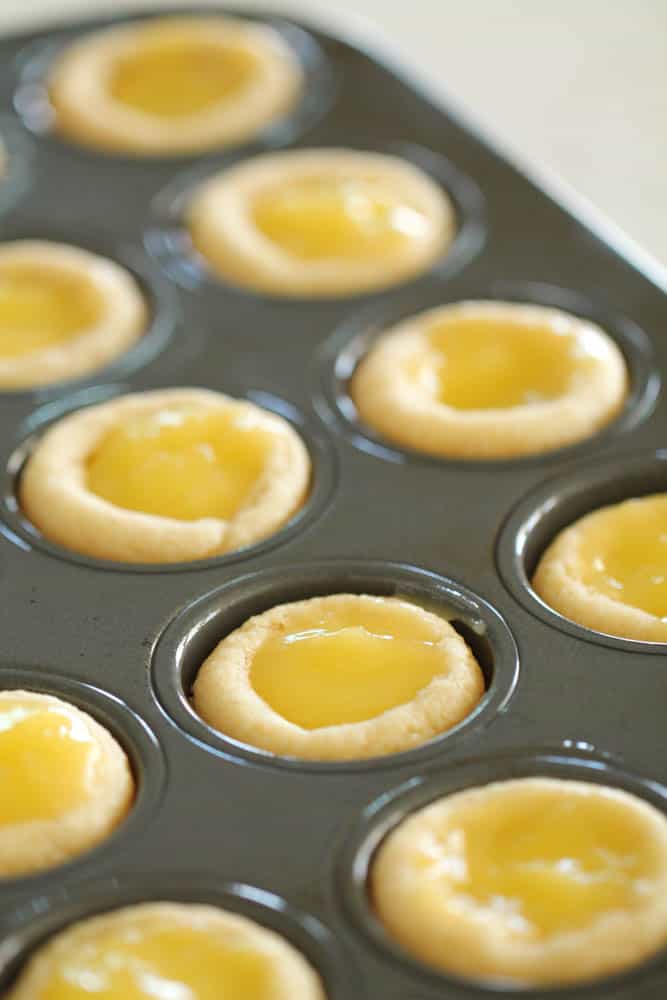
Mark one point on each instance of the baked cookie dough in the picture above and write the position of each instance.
(64, 312)
(608, 570)
(534, 881)
(66, 783)
(165, 476)
(173, 85)
(490, 380)
(166, 950)
(320, 222)
(342, 677)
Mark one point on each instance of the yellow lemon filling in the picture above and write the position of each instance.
(480, 363)
(133, 960)
(544, 862)
(42, 306)
(345, 666)
(623, 553)
(181, 463)
(47, 758)
(321, 218)
(174, 77)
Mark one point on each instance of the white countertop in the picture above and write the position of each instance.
(576, 88)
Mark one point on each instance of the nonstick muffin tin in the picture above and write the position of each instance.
(285, 841)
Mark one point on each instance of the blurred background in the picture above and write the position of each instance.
(576, 90)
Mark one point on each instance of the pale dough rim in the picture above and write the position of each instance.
(225, 699)
(123, 319)
(294, 978)
(558, 583)
(40, 844)
(402, 412)
(53, 494)
(479, 945)
(86, 113)
(223, 232)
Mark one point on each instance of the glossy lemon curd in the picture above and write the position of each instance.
(156, 960)
(321, 218)
(623, 553)
(480, 363)
(544, 862)
(345, 666)
(42, 307)
(180, 463)
(47, 760)
(172, 77)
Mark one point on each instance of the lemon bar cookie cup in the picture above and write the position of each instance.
(174, 86)
(77, 307)
(117, 769)
(109, 435)
(497, 956)
(548, 512)
(323, 223)
(423, 600)
(298, 952)
(399, 381)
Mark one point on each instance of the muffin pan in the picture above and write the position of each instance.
(285, 841)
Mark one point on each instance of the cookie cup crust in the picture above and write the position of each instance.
(123, 315)
(226, 700)
(223, 231)
(405, 413)
(87, 113)
(54, 495)
(40, 844)
(558, 581)
(456, 939)
(293, 978)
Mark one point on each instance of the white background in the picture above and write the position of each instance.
(577, 88)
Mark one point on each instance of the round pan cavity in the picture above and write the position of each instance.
(34, 109)
(536, 520)
(339, 356)
(198, 628)
(61, 908)
(16, 154)
(137, 740)
(349, 884)
(21, 531)
(168, 241)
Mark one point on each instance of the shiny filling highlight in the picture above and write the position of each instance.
(320, 218)
(543, 862)
(158, 959)
(47, 761)
(481, 363)
(623, 553)
(346, 665)
(181, 463)
(42, 307)
(175, 77)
